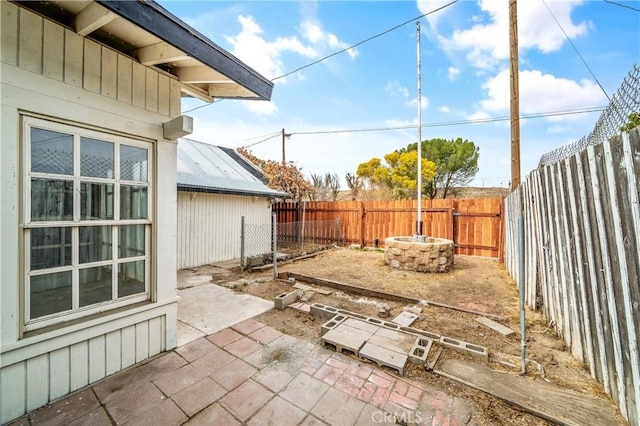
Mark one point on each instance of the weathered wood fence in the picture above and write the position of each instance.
(475, 225)
(582, 258)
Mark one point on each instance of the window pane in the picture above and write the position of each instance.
(51, 199)
(50, 293)
(95, 243)
(131, 241)
(133, 202)
(96, 158)
(96, 201)
(95, 285)
(133, 163)
(51, 152)
(130, 278)
(50, 248)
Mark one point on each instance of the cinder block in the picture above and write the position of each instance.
(374, 321)
(283, 300)
(323, 312)
(345, 339)
(384, 357)
(420, 351)
(331, 324)
(464, 346)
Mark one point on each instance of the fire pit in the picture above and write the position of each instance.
(421, 254)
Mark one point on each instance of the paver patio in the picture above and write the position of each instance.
(253, 374)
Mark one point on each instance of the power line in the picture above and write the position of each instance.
(340, 51)
(453, 123)
(577, 51)
(437, 124)
(621, 5)
(365, 40)
(263, 140)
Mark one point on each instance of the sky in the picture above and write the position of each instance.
(464, 51)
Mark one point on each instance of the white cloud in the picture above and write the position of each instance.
(479, 115)
(261, 108)
(250, 47)
(314, 33)
(487, 44)
(424, 102)
(541, 92)
(395, 88)
(453, 73)
(426, 6)
(444, 109)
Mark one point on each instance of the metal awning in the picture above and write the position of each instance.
(150, 34)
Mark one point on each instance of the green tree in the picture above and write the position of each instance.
(634, 121)
(399, 174)
(456, 164)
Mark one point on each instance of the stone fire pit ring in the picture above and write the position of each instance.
(411, 254)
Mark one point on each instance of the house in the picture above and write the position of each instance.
(216, 188)
(90, 109)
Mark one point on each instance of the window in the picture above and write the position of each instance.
(87, 222)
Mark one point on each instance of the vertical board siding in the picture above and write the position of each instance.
(582, 217)
(59, 373)
(80, 363)
(209, 225)
(9, 33)
(30, 42)
(53, 51)
(30, 384)
(97, 359)
(37, 381)
(44, 47)
(475, 226)
(13, 391)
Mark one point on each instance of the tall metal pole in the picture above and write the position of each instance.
(515, 95)
(419, 147)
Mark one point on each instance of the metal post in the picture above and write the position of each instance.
(419, 147)
(523, 342)
(242, 243)
(304, 210)
(275, 245)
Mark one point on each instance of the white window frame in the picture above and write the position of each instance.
(77, 312)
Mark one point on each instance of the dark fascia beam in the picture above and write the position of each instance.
(161, 23)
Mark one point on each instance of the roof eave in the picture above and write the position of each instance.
(224, 191)
(159, 22)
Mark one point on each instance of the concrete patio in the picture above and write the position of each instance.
(252, 374)
(230, 369)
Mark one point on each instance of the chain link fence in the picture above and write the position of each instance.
(293, 239)
(616, 115)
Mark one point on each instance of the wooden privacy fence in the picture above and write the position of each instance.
(581, 239)
(475, 225)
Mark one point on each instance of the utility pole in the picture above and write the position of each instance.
(284, 137)
(515, 94)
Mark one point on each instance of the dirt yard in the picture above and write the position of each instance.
(477, 284)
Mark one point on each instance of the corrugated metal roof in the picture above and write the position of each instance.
(209, 168)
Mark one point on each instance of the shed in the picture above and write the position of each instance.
(91, 94)
(216, 188)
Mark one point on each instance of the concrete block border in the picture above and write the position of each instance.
(328, 312)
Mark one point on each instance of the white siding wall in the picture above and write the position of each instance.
(209, 225)
(50, 71)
